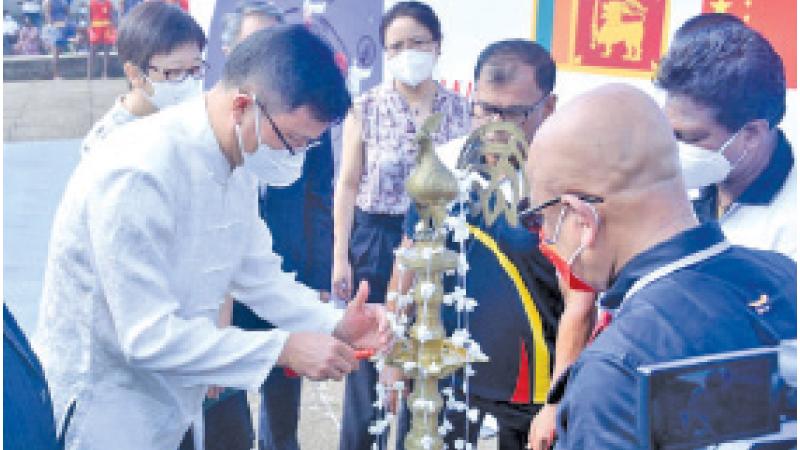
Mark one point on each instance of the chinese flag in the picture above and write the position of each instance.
(775, 19)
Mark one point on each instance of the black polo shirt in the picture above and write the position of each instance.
(516, 319)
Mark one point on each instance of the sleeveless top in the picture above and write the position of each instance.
(390, 153)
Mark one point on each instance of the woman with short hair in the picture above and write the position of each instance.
(160, 47)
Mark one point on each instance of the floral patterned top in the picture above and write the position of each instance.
(390, 153)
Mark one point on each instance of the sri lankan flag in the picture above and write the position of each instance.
(614, 37)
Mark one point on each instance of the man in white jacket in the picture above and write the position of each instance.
(158, 223)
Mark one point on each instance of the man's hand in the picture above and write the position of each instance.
(364, 326)
(317, 356)
(388, 377)
(542, 433)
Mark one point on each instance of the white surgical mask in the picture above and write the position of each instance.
(167, 93)
(274, 167)
(702, 167)
(411, 67)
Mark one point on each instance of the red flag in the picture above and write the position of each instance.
(775, 19)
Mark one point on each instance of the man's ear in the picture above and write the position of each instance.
(754, 134)
(549, 106)
(134, 75)
(241, 102)
(588, 218)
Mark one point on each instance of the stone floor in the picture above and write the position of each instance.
(320, 415)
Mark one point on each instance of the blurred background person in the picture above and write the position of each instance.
(10, 32)
(33, 10)
(102, 34)
(56, 13)
(378, 154)
(29, 40)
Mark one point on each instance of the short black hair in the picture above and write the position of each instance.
(153, 28)
(232, 22)
(288, 66)
(719, 62)
(418, 11)
(526, 52)
(706, 20)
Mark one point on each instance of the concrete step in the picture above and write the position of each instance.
(71, 66)
(56, 109)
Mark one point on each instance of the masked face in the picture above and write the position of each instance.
(274, 167)
(412, 67)
(563, 267)
(168, 93)
(702, 167)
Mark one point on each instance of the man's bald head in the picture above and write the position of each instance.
(610, 140)
(614, 143)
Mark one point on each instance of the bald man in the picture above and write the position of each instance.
(615, 217)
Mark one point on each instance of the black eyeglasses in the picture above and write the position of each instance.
(177, 75)
(533, 219)
(515, 113)
(309, 144)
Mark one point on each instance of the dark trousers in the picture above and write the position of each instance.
(280, 412)
(372, 243)
(513, 420)
(227, 423)
(358, 412)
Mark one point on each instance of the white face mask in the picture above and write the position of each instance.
(411, 67)
(702, 167)
(274, 167)
(167, 93)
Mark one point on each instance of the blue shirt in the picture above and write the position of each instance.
(28, 421)
(59, 10)
(701, 309)
(300, 219)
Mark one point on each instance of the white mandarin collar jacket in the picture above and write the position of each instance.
(154, 228)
